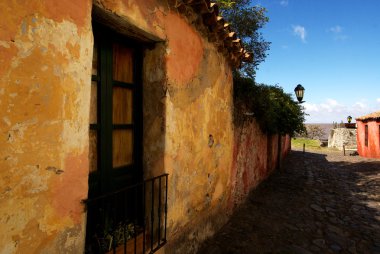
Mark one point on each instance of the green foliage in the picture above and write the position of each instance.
(246, 21)
(113, 238)
(309, 143)
(274, 110)
(226, 4)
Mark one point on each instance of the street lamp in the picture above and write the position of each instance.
(349, 118)
(299, 90)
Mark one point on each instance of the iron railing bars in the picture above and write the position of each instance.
(124, 219)
(113, 211)
(159, 212)
(111, 215)
(152, 219)
(144, 217)
(166, 205)
(135, 221)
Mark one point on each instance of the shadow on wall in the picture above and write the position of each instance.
(318, 199)
(154, 107)
(256, 155)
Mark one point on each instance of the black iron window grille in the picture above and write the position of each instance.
(130, 220)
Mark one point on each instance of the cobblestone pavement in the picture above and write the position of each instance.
(318, 203)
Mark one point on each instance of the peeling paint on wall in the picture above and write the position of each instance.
(45, 51)
(45, 76)
(255, 158)
(186, 50)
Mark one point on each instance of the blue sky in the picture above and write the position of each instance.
(332, 48)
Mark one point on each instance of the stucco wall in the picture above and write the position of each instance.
(286, 145)
(189, 131)
(255, 158)
(45, 73)
(45, 70)
(373, 148)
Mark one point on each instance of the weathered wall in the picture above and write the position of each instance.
(45, 73)
(192, 106)
(46, 54)
(373, 148)
(342, 136)
(188, 129)
(286, 145)
(255, 158)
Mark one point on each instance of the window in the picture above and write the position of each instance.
(119, 200)
(115, 113)
(366, 135)
(115, 132)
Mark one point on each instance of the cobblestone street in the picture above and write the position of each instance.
(319, 203)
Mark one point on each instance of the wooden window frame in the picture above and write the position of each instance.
(366, 135)
(103, 180)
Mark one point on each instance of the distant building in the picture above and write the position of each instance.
(368, 135)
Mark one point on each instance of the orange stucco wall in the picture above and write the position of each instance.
(45, 76)
(45, 63)
(373, 148)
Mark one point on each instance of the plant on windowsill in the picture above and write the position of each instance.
(115, 238)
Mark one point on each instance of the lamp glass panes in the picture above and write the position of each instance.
(299, 90)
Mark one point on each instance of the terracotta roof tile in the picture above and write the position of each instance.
(372, 116)
(219, 31)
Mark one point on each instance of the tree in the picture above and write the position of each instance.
(315, 131)
(246, 20)
(274, 110)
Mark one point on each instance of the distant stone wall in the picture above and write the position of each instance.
(342, 136)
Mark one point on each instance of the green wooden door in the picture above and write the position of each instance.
(115, 115)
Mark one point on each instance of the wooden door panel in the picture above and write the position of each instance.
(115, 112)
(122, 105)
(122, 148)
(122, 63)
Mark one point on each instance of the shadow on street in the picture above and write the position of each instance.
(318, 203)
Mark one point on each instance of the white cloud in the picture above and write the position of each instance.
(336, 29)
(284, 3)
(338, 33)
(360, 105)
(332, 110)
(300, 31)
(332, 102)
(331, 105)
(310, 107)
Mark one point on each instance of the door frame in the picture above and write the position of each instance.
(106, 179)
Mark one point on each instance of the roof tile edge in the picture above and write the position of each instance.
(218, 29)
(371, 116)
